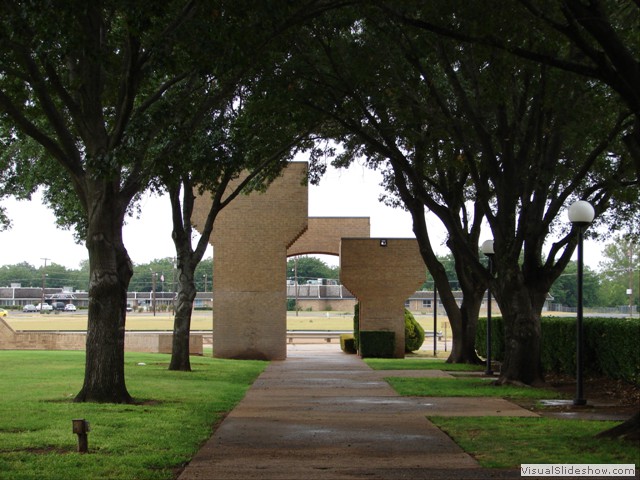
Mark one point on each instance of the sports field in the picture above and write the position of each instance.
(201, 320)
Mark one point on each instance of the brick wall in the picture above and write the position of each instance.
(134, 341)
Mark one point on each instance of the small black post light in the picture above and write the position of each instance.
(383, 242)
(81, 428)
(581, 214)
(487, 249)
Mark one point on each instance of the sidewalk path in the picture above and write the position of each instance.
(324, 415)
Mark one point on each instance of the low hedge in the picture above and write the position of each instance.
(611, 345)
(377, 344)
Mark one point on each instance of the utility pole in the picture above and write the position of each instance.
(295, 281)
(44, 276)
(153, 291)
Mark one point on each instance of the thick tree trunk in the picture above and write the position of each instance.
(182, 321)
(521, 311)
(464, 323)
(628, 430)
(110, 273)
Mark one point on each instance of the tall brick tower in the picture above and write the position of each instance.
(250, 240)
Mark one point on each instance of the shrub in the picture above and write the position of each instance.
(611, 345)
(413, 333)
(348, 343)
(377, 344)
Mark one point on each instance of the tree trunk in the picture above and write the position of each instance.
(463, 319)
(182, 321)
(521, 311)
(629, 430)
(463, 325)
(110, 273)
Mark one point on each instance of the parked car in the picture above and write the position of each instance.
(45, 307)
(29, 308)
(3, 312)
(58, 305)
(70, 307)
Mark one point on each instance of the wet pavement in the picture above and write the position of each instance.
(322, 414)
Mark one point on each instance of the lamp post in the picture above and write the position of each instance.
(581, 215)
(487, 249)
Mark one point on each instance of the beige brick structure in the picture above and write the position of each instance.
(134, 341)
(382, 274)
(324, 234)
(250, 238)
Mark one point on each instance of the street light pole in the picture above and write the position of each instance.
(487, 249)
(435, 321)
(581, 215)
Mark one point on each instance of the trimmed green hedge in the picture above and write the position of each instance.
(611, 345)
(377, 344)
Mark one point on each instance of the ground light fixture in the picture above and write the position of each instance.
(581, 214)
(487, 249)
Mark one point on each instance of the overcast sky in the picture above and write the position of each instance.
(34, 235)
(341, 193)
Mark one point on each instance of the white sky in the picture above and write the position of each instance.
(353, 192)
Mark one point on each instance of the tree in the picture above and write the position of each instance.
(619, 271)
(310, 268)
(596, 39)
(565, 288)
(454, 142)
(256, 134)
(97, 88)
(525, 162)
(356, 75)
(23, 273)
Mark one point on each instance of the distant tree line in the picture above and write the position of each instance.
(607, 287)
(59, 276)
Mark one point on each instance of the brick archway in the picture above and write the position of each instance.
(324, 234)
(252, 238)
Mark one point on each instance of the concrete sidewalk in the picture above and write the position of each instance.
(322, 414)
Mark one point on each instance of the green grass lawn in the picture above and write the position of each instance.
(508, 442)
(465, 387)
(173, 415)
(420, 364)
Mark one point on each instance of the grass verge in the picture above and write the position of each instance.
(152, 439)
(420, 364)
(508, 442)
(465, 387)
